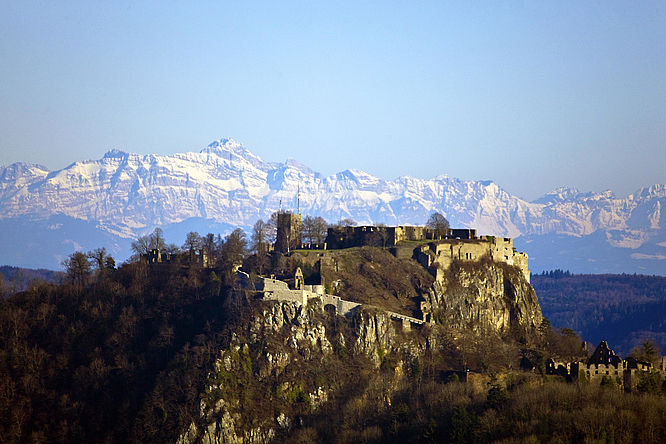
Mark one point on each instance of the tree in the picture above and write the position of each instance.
(101, 261)
(157, 241)
(98, 256)
(260, 237)
(234, 248)
(439, 224)
(193, 242)
(346, 222)
(648, 351)
(152, 241)
(208, 244)
(109, 263)
(315, 229)
(77, 268)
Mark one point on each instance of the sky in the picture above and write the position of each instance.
(532, 95)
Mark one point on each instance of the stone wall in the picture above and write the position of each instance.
(441, 254)
(276, 290)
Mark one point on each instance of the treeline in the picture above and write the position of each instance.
(520, 408)
(624, 310)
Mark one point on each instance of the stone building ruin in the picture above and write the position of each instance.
(604, 364)
(271, 289)
(457, 244)
(288, 236)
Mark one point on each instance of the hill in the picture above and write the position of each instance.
(173, 352)
(621, 309)
(13, 279)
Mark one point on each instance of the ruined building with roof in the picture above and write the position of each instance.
(604, 364)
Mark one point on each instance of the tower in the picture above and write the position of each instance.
(288, 232)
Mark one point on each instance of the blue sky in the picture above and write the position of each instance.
(532, 95)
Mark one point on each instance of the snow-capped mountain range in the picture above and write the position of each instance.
(124, 195)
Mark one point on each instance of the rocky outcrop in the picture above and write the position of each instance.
(484, 297)
(279, 365)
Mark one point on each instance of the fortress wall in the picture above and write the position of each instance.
(501, 249)
(273, 285)
(287, 295)
(520, 260)
(443, 253)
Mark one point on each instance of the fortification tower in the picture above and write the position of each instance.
(288, 232)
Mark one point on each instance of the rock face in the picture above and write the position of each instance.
(484, 297)
(280, 337)
(282, 341)
(287, 359)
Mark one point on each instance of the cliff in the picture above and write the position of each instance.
(484, 296)
(289, 365)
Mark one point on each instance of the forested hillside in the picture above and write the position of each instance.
(621, 309)
(140, 352)
(13, 279)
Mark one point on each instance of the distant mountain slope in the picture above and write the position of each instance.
(15, 279)
(621, 309)
(125, 195)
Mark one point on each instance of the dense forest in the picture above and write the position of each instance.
(624, 310)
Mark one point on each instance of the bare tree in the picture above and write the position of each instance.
(77, 268)
(438, 223)
(193, 242)
(152, 241)
(346, 222)
(98, 256)
(208, 244)
(261, 233)
(320, 229)
(101, 261)
(235, 247)
(314, 229)
(141, 246)
(308, 229)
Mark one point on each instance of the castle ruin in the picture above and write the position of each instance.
(605, 365)
(288, 236)
(457, 244)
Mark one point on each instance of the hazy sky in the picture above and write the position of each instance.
(532, 95)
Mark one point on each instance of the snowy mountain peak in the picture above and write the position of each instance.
(224, 147)
(225, 144)
(115, 154)
(228, 148)
(653, 191)
(293, 163)
(560, 194)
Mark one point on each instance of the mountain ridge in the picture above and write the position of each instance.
(128, 194)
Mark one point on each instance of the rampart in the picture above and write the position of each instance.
(382, 236)
(276, 290)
